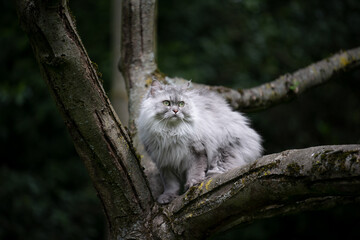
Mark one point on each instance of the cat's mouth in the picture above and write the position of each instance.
(174, 117)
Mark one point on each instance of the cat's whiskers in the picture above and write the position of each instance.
(161, 126)
(186, 125)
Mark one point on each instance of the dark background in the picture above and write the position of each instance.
(45, 192)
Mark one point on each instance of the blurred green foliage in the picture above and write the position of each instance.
(44, 189)
(45, 192)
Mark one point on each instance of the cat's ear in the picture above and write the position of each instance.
(155, 86)
(187, 85)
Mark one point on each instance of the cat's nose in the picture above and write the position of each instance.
(175, 110)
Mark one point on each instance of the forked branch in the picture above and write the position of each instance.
(276, 184)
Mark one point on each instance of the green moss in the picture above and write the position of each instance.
(137, 154)
(294, 86)
(343, 59)
(148, 81)
(293, 168)
(208, 184)
(339, 157)
(191, 193)
(273, 95)
(329, 160)
(158, 75)
(265, 170)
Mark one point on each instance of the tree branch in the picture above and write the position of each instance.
(138, 66)
(99, 138)
(276, 184)
(137, 50)
(285, 87)
(289, 86)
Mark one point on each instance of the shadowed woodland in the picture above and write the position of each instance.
(45, 189)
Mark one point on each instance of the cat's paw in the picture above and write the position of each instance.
(191, 182)
(213, 172)
(166, 198)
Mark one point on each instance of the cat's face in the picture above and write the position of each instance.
(170, 108)
(171, 104)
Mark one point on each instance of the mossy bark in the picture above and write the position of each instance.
(276, 184)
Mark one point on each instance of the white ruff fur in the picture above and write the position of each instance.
(204, 127)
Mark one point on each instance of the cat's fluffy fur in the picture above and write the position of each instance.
(191, 134)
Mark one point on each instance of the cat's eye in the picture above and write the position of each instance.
(166, 103)
(181, 104)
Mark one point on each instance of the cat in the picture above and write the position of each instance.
(192, 134)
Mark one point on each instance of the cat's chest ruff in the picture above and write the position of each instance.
(169, 141)
(173, 150)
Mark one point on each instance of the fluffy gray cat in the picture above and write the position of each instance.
(191, 134)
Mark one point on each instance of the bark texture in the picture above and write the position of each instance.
(137, 62)
(138, 67)
(282, 183)
(99, 138)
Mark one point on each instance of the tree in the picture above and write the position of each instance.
(287, 182)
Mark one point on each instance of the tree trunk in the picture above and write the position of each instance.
(276, 184)
(99, 138)
(118, 98)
